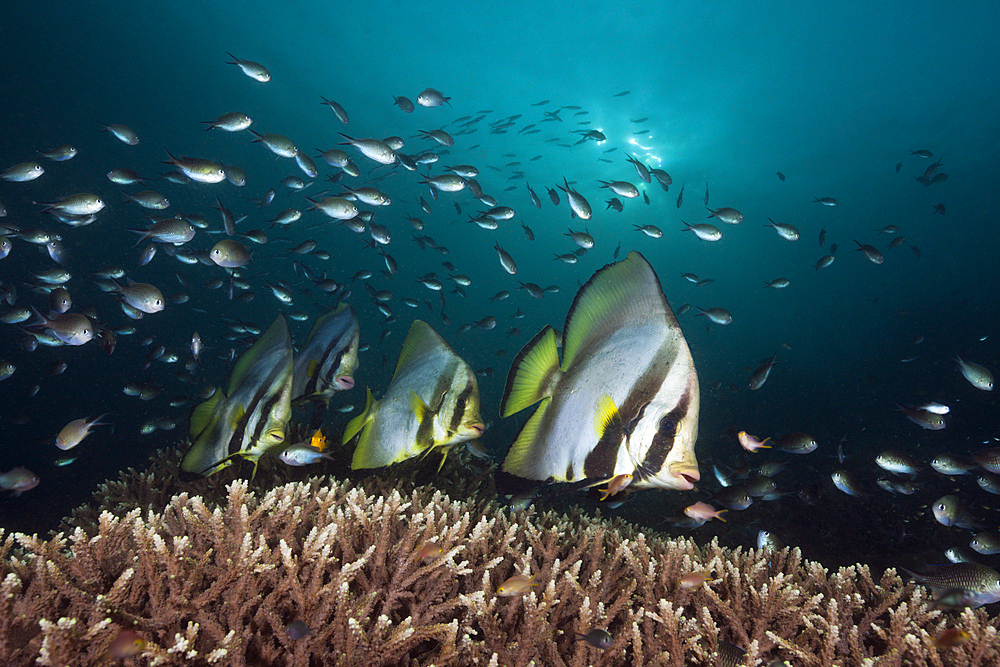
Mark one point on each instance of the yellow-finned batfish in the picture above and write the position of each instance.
(327, 362)
(625, 399)
(432, 403)
(251, 416)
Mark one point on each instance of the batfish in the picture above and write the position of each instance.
(625, 399)
(327, 362)
(432, 403)
(250, 417)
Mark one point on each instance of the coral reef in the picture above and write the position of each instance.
(220, 585)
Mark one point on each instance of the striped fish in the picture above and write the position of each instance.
(624, 402)
(432, 403)
(250, 417)
(327, 362)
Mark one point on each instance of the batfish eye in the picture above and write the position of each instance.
(667, 426)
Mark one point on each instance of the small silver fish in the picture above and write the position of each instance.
(255, 71)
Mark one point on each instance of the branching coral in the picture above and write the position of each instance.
(207, 584)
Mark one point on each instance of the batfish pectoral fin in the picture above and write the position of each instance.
(362, 419)
(531, 373)
(237, 416)
(420, 409)
(276, 335)
(607, 419)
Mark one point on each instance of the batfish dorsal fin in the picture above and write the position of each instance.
(531, 373)
(626, 291)
(276, 334)
(420, 340)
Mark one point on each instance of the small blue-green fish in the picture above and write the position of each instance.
(979, 377)
(404, 104)
(824, 261)
(717, 315)
(230, 254)
(82, 203)
(255, 71)
(897, 462)
(25, 171)
(729, 215)
(597, 638)
(796, 443)
(297, 629)
(70, 328)
(123, 133)
(871, 252)
(198, 169)
(577, 202)
(338, 110)
(149, 199)
(766, 540)
(432, 98)
(278, 144)
(987, 544)
(825, 201)
(844, 481)
(302, 455)
(979, 584)
(230, 122)
(989, 483)
(141, 296)
(923, 418)
(60, 153)
(951, 511)
(952, 464)
(18, 480)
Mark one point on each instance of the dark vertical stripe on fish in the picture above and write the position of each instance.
(601, 462)
(460, 404)
(236, 441)
(663, 441)
(425, 430)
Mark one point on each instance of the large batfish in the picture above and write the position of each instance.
(251, 416)
(623, 405)
(326, 363)
(432, 403)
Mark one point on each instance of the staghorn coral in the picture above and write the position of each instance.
(208, 584)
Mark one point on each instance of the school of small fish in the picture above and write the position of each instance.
(615, 392)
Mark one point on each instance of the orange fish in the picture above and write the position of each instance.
(429, 553)
(616, 484)
(695, 579)
(127, 644)
(318, 441)
(751, 443)
(516, 585)
(950, 637)
(704, 512)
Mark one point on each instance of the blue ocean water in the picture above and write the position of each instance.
(832, 97)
